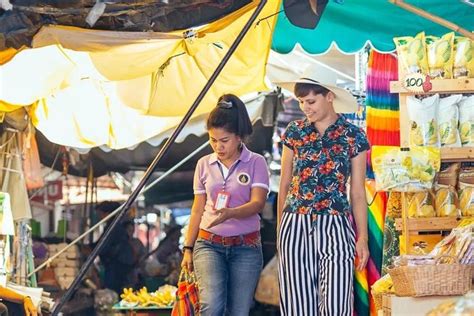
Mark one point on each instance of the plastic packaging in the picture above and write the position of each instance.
(466, 191)
(421, 205)
(448, 119)
(402, 170)
(466, 121)
(440, 56)
(412, 53)
(463, 66)
(423, 121)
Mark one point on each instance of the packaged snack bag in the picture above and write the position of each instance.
(446, 197)
(449, 174)
(463, 66)
(423, 121)
(466, 121)
(412, 53)
(445, 201)
(448, 119)
(421, 205)
(403, 170)
(440, 56)
(466, 191)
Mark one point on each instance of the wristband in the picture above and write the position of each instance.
(190, 248)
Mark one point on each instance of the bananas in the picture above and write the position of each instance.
(163, 297)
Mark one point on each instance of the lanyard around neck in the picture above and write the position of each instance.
(232, 168)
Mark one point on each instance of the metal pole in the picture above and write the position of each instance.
(105, 236)
(109, 216)
(182, 162)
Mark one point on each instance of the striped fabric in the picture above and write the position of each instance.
(382, 129)
(316, 267)
(382, 107)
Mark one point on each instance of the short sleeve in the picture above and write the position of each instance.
(260, 174)
(360, 144)
(290, 135)
(198, 185)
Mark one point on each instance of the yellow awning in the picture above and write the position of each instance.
(93, 88)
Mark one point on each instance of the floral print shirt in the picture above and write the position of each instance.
(321, 166)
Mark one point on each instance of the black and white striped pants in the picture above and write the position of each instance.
(316, 270)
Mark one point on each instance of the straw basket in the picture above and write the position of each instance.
(377, 300)
(432, 279)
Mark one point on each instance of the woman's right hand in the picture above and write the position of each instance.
(187, 260)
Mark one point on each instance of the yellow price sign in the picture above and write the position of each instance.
(417, 83)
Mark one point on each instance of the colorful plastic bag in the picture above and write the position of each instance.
(187, 296)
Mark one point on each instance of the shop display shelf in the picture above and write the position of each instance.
(428, 223)
(457, 154)
(444, 86)
(447, 86)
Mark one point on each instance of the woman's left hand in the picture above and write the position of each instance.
(223, 215)
(30, 309)
(362, 251)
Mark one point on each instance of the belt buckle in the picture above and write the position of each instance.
(224, 243)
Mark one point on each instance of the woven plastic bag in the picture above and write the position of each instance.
(187, 296)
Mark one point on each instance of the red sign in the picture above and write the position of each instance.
(417, 83)
(53, 191)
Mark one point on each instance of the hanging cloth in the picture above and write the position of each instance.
(11, 175)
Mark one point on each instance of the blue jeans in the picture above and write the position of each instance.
(227, 277)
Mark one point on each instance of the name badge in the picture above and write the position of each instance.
(222, 200)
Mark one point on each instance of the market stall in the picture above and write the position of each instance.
(429, 173)
(80, 68)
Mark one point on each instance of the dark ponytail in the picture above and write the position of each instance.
(231, 115)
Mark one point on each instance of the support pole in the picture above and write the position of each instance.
(436, 19)
(124, 207)
(111, 215)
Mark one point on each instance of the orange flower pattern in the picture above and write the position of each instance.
(322, 166)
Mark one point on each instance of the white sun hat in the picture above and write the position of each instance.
(344, 102)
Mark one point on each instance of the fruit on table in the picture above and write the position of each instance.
(164, 296)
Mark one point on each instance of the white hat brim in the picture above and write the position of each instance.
(344, 102)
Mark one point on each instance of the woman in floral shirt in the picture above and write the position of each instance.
(316, 241)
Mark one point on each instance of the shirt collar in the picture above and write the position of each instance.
(339, 122)
(244, 155)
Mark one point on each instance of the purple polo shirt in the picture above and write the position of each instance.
(251, 171)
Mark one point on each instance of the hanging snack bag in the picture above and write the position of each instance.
(446, 201)
(446, 197)
(466, 191)
(403, 170)
(412, 53)
(466, 121)
(421, 205)
(423, 121)
(440, 56)
(463, 66)
(448, 119)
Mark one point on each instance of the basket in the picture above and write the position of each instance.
(377, 300)
(432, 279)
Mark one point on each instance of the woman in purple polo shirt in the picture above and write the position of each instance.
(230, 188)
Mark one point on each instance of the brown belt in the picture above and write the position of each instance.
(249, 239)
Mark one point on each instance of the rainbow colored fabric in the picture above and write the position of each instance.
(382, 129)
